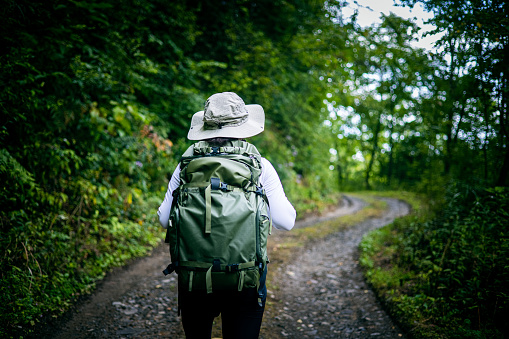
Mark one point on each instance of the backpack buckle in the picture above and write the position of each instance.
(216, 265)
(232, 268)
(217, 184)
(171, 268)
(260, 191)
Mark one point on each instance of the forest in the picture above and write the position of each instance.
(96, 102)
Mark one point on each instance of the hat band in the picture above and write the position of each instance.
(218, 124)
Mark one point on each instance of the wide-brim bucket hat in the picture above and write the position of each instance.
(225, 115)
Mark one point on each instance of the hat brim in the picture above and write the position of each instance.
(254, 125)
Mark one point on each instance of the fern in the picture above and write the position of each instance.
(12, 170)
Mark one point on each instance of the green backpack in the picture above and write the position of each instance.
(219, 220)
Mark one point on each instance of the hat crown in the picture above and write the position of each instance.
(224, 109)
(227, 116)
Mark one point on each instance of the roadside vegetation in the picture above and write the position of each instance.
(445, 275)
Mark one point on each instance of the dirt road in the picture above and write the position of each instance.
(324, 294)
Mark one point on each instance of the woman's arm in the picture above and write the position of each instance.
(164, 210)
(281, 210)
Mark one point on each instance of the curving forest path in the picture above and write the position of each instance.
(322, 293)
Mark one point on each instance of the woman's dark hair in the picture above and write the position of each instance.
(220, 141)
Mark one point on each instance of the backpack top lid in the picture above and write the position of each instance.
(241, 147)
(237, 164)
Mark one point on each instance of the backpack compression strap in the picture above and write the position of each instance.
(216, 184)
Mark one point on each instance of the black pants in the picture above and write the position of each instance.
(241, 312)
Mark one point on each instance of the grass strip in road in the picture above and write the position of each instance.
(283, 246)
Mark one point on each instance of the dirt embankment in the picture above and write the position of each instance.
(322, 294)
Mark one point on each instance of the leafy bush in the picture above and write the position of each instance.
(463, 256)
(58, 237)
(447, 276)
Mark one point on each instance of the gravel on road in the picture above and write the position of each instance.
(322, 293)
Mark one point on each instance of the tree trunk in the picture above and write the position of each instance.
(391, 155)
(450, 109)
(373, 152)
(502, 176)
(339, 168)
(340, 174)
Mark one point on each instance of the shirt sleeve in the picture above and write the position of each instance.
(164, 210)
(282, 212)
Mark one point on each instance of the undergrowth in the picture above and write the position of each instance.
(445, 276)
(70, 215)
(45, 269)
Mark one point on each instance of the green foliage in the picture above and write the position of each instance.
(46, 266)
(462, 255)
(380, 244)
(63, 231)
(82, 153)
(398, 112)
(446, 276)
(95, 107)
(470, 88)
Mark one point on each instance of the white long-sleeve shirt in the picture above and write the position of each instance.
(280, 209)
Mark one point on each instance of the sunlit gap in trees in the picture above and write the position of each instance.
(349, 124)
(369, 12)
